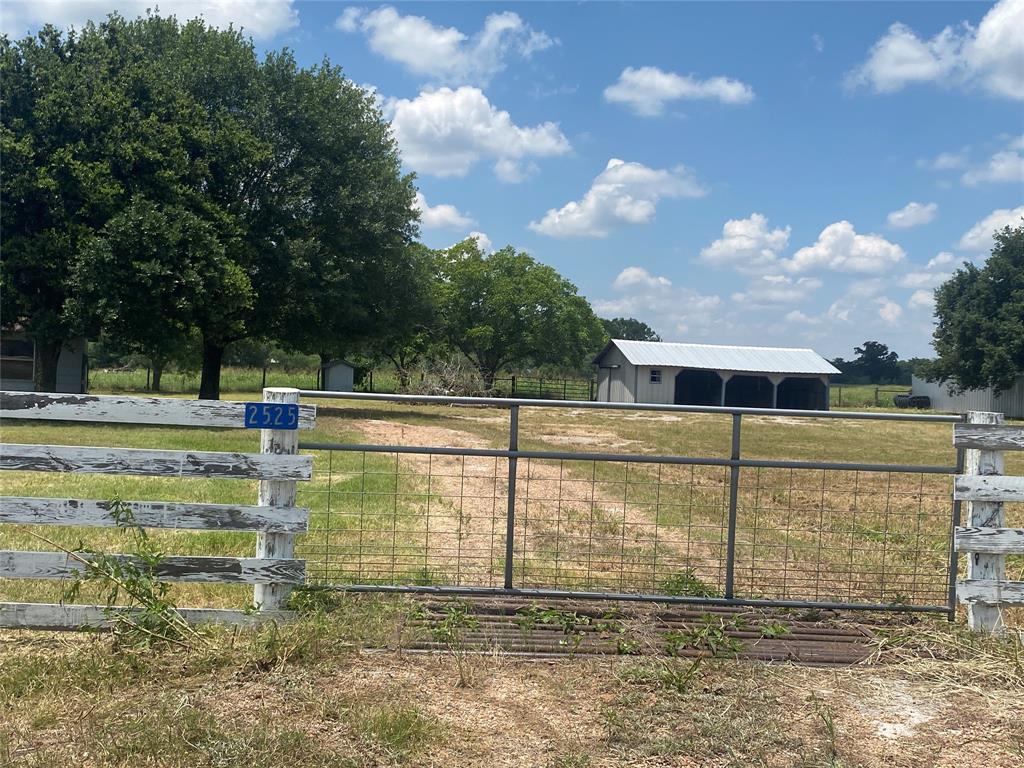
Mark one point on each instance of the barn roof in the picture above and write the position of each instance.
(721, 357)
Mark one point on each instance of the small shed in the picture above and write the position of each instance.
(1009, 402)
(337, 376)
(18, 364)
(712, 374)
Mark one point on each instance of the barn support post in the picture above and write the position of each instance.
(276, 493)
(775, 379)
(985, 617)
(734, 487)
(725, 380)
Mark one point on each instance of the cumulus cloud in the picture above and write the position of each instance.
(442, 216)
(775, 290)
(819, 42)
(924, 279)
(796, 316)
(632, 276)
(623, 193)
(262, 20)
(445, 54)
(889, 310)
(979, 237)
(940, 259)
(922, 299)
(912, 215)
(945, 161)
(646, 90)
(675, 312)
(446, 132)
(990, 57)
(747, 245)
(840, 248)
(483, 241)
(1006, 166)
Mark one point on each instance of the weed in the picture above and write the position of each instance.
(450, 631)
(687, 583)
(400, 731)
(711, 635)
(147, 617)
(774, 629)
(570, 622)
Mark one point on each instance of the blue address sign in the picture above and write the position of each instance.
(271, 416)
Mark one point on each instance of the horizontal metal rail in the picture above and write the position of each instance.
(636, 458)
(554, 594)
(509, 402)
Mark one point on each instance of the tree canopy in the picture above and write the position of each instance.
(507, 309)
(979, 338)
(629, 328)
(278, 187)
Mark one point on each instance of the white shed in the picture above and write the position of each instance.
(337, 376)
(712, 374)
(1009, 402)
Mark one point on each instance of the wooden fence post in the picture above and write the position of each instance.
(276, 493)
(984, 617)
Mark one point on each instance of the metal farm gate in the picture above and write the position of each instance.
(713, 528)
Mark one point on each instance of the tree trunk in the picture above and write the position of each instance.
(47, 355)
(158, 369)
(209, 384)
(488, 375)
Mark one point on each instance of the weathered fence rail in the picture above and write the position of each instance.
(985, 538)
(275, 518)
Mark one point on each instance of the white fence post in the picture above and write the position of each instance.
(276, 493)
(984, 617)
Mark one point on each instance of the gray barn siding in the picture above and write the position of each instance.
(1009, 402)
(616, 385)
(71, 372)
(339, 377)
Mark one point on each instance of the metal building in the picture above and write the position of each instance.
(1009, 402)
(337, 376)
(18, 363)
(712, 374)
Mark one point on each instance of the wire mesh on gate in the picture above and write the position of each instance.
(815, 535)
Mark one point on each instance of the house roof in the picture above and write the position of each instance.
(721, 357)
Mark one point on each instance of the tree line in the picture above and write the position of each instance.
(167, 189)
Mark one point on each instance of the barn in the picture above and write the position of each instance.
(712, 374)
(1009, 402)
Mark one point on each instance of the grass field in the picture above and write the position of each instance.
(307, 695)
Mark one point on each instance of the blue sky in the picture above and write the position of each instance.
(768, 173)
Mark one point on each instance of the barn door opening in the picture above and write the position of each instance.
(698, 388)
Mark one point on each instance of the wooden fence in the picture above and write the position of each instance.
(985, 538)
(273, 571)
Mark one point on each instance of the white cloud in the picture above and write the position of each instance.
(841, 249)
(819, 42)
(631, 276)
(912, 215)
(940, 259)
(979, 237)
(924, 279)
(1006, 166)
(441, 216)
(945, 161)
(991, 56)
(889, 310)
(747, 244)
(796, 316)
(514, 171)
(645, 90)
(921, 299)
(446, 132)
(445, 54)
(262, 20)
(483, 241)
(773, 290)
(675, 312)
(623, 193)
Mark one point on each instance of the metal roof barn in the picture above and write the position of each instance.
(713, 374)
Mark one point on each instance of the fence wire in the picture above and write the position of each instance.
(814, 535)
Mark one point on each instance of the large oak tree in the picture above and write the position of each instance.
(290, 173)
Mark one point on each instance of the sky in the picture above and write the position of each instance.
(779, 174)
